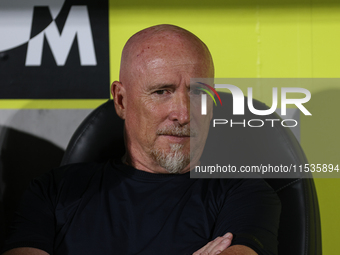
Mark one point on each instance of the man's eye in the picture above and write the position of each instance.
(160, 92)
(196, 91)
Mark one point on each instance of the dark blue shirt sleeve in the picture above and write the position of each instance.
(251, 212)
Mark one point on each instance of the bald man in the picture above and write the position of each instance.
(146, 203)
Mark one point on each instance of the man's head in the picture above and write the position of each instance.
(153, 97)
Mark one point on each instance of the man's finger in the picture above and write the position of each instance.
(216, 246)
(220, 244)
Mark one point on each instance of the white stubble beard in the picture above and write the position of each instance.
(174, 161)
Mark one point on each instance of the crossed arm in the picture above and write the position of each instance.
(218, 246)
(221, 246)
(233, 250)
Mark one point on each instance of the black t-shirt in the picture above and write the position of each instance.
(112, 208)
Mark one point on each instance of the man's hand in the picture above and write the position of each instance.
(216, 246)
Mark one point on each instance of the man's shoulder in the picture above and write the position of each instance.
(70, 180)
(81, 170)
(235, 184)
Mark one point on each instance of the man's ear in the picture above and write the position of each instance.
(119, 97)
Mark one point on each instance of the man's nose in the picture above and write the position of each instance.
(180, 111)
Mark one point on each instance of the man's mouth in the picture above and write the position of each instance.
(176, 135)
(176, 138)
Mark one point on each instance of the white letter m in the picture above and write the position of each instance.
(77, 23)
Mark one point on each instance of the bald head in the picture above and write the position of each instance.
(162, 42)
(154, 94)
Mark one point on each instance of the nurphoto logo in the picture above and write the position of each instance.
(239, 104)
(238, 99)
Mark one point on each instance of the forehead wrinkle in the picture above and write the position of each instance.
(160, 86)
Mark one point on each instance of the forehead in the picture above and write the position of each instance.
(186, 68)
(169, 71)
(161, 56)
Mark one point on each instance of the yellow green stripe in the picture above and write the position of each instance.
(208, 92)
(50, 104)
